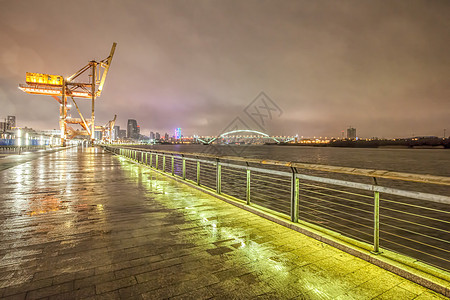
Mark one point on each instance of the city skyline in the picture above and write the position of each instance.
(381, 66)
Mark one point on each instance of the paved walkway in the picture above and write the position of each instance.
(86, 224)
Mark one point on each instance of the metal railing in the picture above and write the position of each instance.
(406, 213)
(21, 149)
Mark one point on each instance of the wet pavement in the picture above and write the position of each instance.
(85, 224)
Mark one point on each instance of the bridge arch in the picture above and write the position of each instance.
(244, 130)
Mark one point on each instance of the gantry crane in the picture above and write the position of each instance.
(56, 85)
(108, 129)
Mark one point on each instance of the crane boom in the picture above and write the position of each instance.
(106, 66)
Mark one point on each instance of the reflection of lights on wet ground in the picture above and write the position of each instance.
(43, 204)
(19, 172)
(215, 230)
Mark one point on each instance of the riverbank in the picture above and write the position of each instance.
(413, 143)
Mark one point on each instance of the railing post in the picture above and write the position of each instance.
(146, 158)
(184, 168)
(376, 223)
(376, 220)
(248, 187)
(164, 163)
(173, 165)
(151, 160)
(218, 177)
(156, 160)
(198, 173)
(294, 196)
(297, 199)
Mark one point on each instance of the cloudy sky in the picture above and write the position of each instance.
(380, 66)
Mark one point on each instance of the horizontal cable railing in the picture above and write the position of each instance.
(7, 149)
(388, 210)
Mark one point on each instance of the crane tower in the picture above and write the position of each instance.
(74, 86)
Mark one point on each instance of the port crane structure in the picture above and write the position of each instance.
(74, 86)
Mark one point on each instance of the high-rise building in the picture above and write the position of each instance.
(115, 132)
(3, 126)
(351, 133)
(152, 135)
(11, 122)
(166, 137)
(122, 133)
(177, 133)
(132, 129)
(98, 135)
(157, 136)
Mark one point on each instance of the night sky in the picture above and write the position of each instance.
(380, 66)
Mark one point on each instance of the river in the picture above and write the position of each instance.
(420, 161)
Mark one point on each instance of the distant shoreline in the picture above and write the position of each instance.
(403, 144)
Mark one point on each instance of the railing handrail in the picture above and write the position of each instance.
(319, 199)
(411, 177)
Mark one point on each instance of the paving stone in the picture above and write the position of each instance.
(114, 285)
(83, 224)
(396, 293)
(75, 294)
(50, 291)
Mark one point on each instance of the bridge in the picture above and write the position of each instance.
(84, 223)
(244, 136)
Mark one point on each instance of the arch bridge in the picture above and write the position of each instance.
(237, 137)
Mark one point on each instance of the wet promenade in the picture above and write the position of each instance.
(82, 223)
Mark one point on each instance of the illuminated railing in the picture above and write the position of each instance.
(405, 213)
(20, 149)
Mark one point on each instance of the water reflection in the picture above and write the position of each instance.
(215, 229)
(51, 199)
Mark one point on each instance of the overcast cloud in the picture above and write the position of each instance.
(380, 66)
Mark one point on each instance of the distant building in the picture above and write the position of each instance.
(3, 126)
(152, 135)
(11, 122)
(166, 137)
(157, 136)
(351, 133)
(178, 133)
(115, 132)
(122, 134)
(132, 129)
(98, 135)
